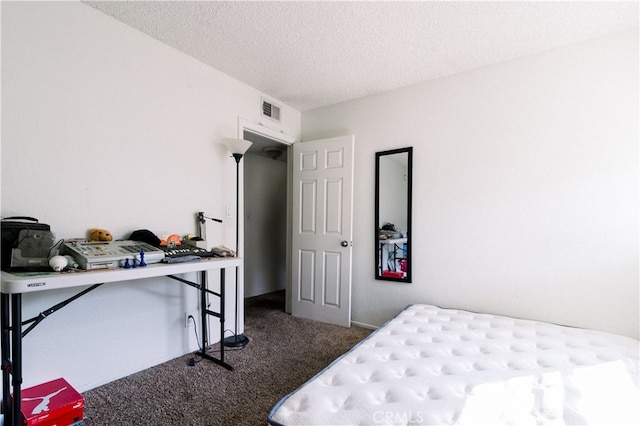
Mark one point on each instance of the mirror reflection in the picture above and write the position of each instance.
(393, 214)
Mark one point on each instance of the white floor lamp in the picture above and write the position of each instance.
(237, 147)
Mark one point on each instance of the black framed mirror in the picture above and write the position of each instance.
(393, 214)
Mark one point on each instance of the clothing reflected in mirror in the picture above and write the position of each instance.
(393, 214)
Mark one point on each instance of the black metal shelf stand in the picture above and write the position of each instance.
(205, 312)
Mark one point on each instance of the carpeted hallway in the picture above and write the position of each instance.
(283, 353)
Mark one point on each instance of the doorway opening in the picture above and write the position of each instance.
(266, 183)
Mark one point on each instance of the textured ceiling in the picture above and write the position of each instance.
(309, 54)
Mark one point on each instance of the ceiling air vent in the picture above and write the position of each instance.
(270, 110)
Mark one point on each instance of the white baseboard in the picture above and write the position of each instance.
(363, 325)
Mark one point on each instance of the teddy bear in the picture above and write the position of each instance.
(98, 234)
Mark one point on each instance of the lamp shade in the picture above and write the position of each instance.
(236, 146)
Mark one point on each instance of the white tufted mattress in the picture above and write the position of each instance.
(436, 366)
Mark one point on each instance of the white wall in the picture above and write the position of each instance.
(525, 187)
(103, 126)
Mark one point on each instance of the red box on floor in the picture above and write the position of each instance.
(55, 403)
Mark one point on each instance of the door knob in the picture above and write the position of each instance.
(344, 243)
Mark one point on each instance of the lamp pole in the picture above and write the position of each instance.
(237, 147)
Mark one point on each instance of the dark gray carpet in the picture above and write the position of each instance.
(283, 353)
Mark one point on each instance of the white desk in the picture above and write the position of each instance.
(12, 287)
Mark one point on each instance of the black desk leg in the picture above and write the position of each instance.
(203, 310)
(222, 316)
(14, 416)
(11, 343)
(6, 355)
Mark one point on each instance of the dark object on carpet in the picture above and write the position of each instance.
(284, 352)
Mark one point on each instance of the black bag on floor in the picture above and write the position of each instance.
(25, 244)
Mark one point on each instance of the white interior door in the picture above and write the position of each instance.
(322, 230)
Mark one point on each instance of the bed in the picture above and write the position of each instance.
(434, 366)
